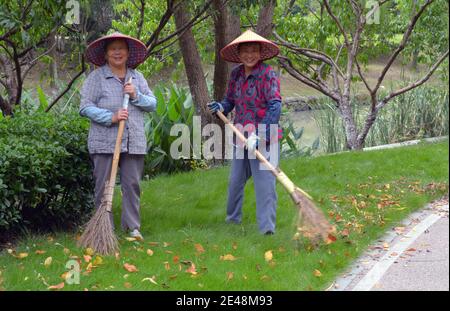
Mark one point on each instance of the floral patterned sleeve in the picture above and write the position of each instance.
(273, 100)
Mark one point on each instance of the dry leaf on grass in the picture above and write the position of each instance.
(127, 285)
(228, 257)
(48, 261)
(268, 256)
(166, 265)
(230, 275)
(57, 286)
(130, 268)
(22, 255)
(152, 280)
(97, 261)
(191, 269)
(199, 248)
(317, 273)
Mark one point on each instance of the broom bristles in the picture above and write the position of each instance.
(99, 232)
(311, 221)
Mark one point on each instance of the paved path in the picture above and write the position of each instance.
(413, 256)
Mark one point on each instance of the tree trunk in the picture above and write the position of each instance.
(351, 133)
(5, 107)
(220, 66)
(193, 64)
(265, 19)
(11, 85)
(234, 31)
(54, 63)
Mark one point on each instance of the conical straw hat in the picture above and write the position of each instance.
(95, 52)
(230, 52)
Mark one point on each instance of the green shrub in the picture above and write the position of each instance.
(174, 105)
(45, 172)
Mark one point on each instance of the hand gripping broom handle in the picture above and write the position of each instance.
(281, 177)
(116, 156)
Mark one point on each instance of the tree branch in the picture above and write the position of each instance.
(415, 84)
(141, 19)
(402, 45)
(311, 53)
(338, 23)
(366, 83)
(17, 68)
(194, 20)
(162, 23)
(83, 68)
(287, 65)
(33, 62)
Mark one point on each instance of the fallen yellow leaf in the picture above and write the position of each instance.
(191, 269)
(22, 255)
(268, 256)
(56, 287)
(89, 251)
(167, 265)
(98, 261)
(228, 257)
(39, 252)
(66, 251)
(48, 261)
(330, 239)
(87, 258)
(199, 248)
(130, 239)
(127, 285)
(130, 268)
(65, 275)
(345, 233)
(149, 252)
(230, 275)
(317, 273)
(152, 279)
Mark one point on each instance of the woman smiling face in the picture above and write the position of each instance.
(249, 54)
(117, 53)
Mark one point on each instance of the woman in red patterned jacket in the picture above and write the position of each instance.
(254, 94)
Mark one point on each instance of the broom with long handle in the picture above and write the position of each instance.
(312, 222)
(99, 233)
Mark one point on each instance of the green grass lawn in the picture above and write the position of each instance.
(364, 193)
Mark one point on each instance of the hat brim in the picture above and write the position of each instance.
(230, 53)
(95, 52)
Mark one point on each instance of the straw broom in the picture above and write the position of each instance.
(312, 223)
(99, 232)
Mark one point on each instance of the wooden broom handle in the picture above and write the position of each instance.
(116, 155)
(281, 177)
(244, 140)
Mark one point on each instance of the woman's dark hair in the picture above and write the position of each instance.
(248, 43)
(108, 43)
